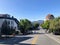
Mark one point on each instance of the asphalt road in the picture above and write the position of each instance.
(31, 39)
(44, 40)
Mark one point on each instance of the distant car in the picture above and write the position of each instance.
(34, 32)
(29, 32)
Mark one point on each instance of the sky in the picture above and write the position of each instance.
(30, 9)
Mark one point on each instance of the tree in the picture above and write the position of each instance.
(6, 30)
(25, 25)
(36, 25)
(45, 25)
(55, 25)
(52, 25)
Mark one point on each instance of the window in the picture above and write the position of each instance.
(12, 23)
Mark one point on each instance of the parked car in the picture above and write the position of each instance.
(56, 32)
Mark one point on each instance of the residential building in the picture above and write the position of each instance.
(12, 22)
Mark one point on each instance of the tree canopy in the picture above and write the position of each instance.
(53, 25)
(25, 25)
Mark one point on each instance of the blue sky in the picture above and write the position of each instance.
(30, 9)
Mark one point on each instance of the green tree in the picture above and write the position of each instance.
(25, 25)
(6, 30)
(55, 25)
(52, 25)
(45, 25)
(36, 25)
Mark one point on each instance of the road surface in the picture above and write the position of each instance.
(44, 40)
(38, 38)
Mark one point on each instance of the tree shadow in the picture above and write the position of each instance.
(15, 40)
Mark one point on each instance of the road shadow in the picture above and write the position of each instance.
(19, 44)
(15, 40)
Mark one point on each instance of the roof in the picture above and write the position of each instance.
(7, 16)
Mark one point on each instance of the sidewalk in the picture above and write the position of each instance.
(54, 37)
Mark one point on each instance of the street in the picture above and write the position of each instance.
(44, 40)
(38, 38)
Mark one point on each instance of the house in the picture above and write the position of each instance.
(11, 21)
